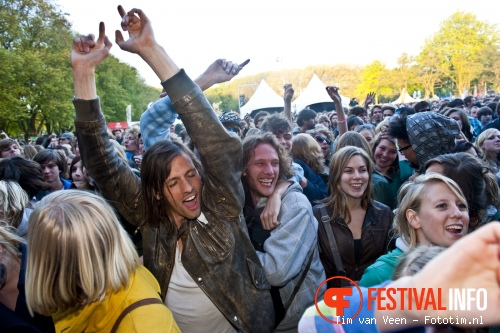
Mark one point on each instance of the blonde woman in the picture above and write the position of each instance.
(488, 142)
(324, 137)
(307, 153)
(14, 315)
(423, 219)
(360, 225)
(14, 211)
(131, 141)
(84, 271)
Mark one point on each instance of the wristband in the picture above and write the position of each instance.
(341, 121)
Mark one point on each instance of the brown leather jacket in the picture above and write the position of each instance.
(375, 239)
(218, 255)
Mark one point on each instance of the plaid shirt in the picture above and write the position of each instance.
(476, 126)
(156, 122)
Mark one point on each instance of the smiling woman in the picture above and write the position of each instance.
(351, 223)
(488, 143)
(422, 219)
(389, 173)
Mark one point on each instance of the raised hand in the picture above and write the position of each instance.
(288, 95)
(333, 92)
(219, 71)
(86, 53)
(140, 31)
(369, 98)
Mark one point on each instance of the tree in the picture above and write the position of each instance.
(430, 70)
(36, 82)
(37, 39)
(405, 72)
(459, 46)
(374, 79)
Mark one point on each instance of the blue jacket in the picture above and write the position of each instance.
(316, 188)
(20, 320)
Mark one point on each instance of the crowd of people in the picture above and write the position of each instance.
(224, 224)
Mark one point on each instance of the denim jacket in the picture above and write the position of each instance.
(218, 254)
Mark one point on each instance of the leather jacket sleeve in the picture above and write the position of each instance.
(113, 177)
(221, 154)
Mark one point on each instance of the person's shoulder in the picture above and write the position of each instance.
(380, 206)
(382, 213)
(294, 191)
(294, 198)
(495, 123)
(378, 179)
(391, 258)
(66, 183)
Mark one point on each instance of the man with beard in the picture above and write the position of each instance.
(189, 212)
(289, 252)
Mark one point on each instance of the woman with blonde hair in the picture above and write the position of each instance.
(324, 137)
(131, 142)
(423, 219)
(354, 139)
(307, 153)
(84, 271)
(354, 229)
(488, 142)
(13, 207)
(476, 181)
(14, 314)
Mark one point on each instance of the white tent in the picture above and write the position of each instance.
(404, 98)
(315, 93)
(264, 98)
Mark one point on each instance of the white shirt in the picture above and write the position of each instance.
(193, 311)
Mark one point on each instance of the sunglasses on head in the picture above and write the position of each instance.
(362, 127)
(321, 139)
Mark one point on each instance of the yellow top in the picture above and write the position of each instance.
(101, 316)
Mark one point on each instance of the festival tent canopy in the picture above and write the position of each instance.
(264, 99)
(316, 97)
(404, 98)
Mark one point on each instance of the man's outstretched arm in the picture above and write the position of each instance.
(156, 121)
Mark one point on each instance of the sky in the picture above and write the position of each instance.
(278, 34)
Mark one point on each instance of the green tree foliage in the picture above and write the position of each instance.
(460, 45)
(430, 70)
(36, 84)
(119, 85)
(375, 78)
(35, 38)
(405, 72)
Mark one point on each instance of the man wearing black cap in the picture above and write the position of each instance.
(231, 121)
